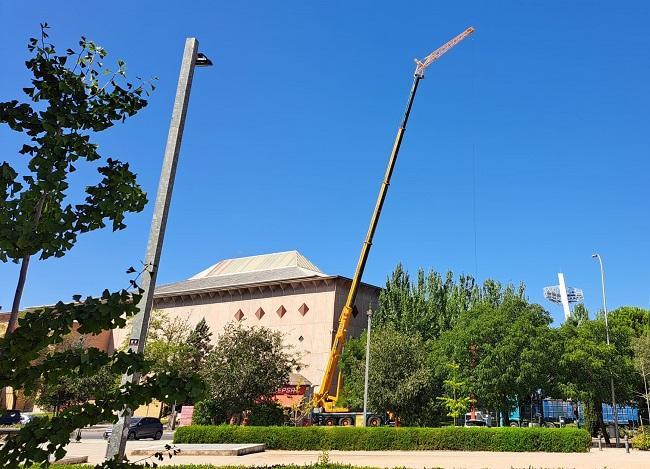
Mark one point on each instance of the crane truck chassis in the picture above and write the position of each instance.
(348, 419)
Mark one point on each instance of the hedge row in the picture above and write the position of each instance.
(558, 440)
(210, 466)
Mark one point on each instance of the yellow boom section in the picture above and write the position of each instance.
(323, 397)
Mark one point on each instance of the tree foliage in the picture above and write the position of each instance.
(504, 350)
(455, 401)
(580, 313)
(641, 350)
(246, 365)
(167, 346)
(169, 329)
(587, 364)
(399, 378)
(503, 346)
(427, 306)
(75, 389)
(199, 341)
(72, 97)
(23, 367)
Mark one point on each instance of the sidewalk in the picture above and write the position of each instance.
(612, 458)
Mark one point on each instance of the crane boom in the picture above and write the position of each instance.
(439, 52)
(322, 397)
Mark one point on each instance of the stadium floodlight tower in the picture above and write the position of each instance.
(560, 294)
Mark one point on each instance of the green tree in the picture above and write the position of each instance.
(587, 364)
(641, 350)
(399, 376)
(167, 345)
(428, 306)
(637, 319)
(246, 365)
(504, 347)
(76, 389)
(166, 328)
(454, 402)
(580, 313)
(73, 96)
(168, 349)
(199, 341)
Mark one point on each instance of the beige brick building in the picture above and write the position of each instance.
(282, 291)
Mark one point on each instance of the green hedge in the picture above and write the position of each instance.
(210, 466)
(559, 440)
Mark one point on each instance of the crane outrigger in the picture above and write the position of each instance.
(322, 398)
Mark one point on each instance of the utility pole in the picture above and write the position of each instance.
(611, 378)
(365, 386)
(191, 58)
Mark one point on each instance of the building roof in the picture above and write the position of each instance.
(263, 262)
(253, 270)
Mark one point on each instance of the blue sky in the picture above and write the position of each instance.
(542, 116)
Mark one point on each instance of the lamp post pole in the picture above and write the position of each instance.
(365, 386)
(191, 58)
(611, 379)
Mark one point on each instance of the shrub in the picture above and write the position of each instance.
(208, 412)
(266, 413)
(387, 438)
(642, 439)
(320, 465)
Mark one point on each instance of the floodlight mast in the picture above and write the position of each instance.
(323, 398)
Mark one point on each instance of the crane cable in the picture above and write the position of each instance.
(474, 162)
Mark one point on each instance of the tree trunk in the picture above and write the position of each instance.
(15, 307)
(600, 423)
(22, 276)
(506, 412)
(647, 396)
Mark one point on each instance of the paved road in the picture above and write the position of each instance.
(97, 433)
(611, 458)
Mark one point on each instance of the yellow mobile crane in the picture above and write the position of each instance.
(329, 413)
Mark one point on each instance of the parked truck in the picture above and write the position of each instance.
(557, 413)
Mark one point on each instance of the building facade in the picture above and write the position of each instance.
(281, 291)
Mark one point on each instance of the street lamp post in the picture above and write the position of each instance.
(611, 381)
(365, 386)
(191, 59)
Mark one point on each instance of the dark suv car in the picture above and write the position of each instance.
(142, 427)
(10, 417)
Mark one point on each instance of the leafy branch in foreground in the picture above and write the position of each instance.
(73, 96)
(23, 365)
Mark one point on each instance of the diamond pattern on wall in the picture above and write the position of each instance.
(355, 311)
(303, 309)
(259, 313)
(281, 311)
(239, 315)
